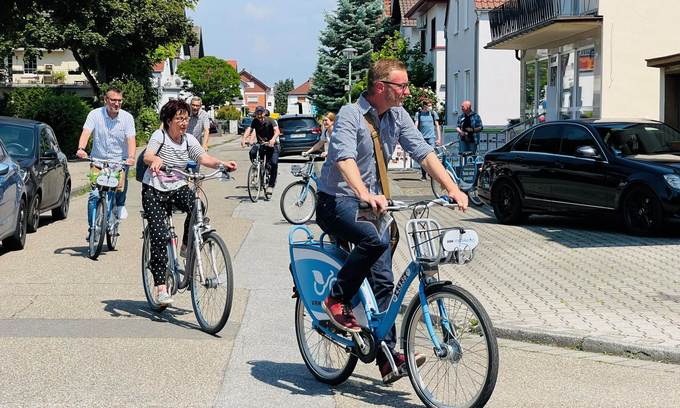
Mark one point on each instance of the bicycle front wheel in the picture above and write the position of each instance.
(465, 376)
(254, 184)
(264, 178)
(150, 290)
(298, 202)
(98, 230)
(327, 361)
(112, 234)
(212, 284)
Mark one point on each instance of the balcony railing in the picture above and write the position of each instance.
(518, 15)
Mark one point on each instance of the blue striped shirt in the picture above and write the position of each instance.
(351, 139)
(110, 135)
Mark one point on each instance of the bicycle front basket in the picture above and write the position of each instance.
(300, 170)
(430, 244)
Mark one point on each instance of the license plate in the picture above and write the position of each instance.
(297, 135)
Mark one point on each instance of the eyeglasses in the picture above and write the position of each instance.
(181, 119)
(114, 100)
(402, 86)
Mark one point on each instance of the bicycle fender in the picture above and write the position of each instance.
(415, 302)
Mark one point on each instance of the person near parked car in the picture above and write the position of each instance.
(113, 138)
(427, 122)
(322, 144)
(267, 131)
(355, 171)
(469, 126)
(199, 123)
(171, 146)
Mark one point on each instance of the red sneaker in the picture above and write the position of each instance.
(388, 376)
(341, 315)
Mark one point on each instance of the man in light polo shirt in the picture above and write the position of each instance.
(199, 123)
(113, 138)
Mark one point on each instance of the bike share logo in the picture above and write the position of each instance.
(321, 284)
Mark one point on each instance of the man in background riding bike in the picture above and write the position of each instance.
(113, 131)
(352, 173)
(170, 146)
(267, 132)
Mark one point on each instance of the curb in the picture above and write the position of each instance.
(594, 344)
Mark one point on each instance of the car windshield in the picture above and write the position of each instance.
(18, 140)
(641, 138)
(297, 124)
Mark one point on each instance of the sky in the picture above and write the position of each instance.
(271, 39)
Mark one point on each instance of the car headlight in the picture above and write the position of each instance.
(672, 180)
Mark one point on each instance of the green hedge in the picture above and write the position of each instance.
(24, 102)
(228, 113)
(66, 115)
(146, 123)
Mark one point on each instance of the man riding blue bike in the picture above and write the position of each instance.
(365, 135)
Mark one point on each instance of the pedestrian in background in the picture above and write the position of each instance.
(469, 126)
(327, 122)
(199, 123)
(427, 122)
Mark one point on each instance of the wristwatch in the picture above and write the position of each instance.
(81, 148)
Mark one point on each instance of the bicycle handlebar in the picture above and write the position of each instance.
(221, 171)
(394, 205)
(107, 163)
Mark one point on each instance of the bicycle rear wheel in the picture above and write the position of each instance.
(98, 230)
(147, 276)
(254, 184)
(298, 202)
(466, 375)
(327, 361)
(212, 290)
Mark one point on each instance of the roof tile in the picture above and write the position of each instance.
(488, 4)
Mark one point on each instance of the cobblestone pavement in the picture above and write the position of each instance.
(573, 282)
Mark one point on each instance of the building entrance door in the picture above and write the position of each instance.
(672, 100)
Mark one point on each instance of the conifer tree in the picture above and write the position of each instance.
(359, 24)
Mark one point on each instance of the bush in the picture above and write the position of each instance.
(24, 102)
(66, 115)
(146, 123)
(133, 94)
(228, 113)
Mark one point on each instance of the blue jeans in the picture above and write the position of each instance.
(370, 259)
(272, 156)
(468, 146)
(119, 199)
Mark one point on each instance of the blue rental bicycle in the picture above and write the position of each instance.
(298, 200)
(105, 177)
(443, 321)
(464, 173)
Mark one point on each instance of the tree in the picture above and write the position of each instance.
(281, 89)
(110, 38)
(355, 23)
(212, 79)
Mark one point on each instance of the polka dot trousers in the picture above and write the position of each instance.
(156, 205)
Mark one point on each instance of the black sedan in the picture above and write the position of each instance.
(625, 167)
(298, 133)
(34, 146)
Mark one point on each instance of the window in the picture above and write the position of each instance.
(546, 139)
(573, 137)
(30, 64)
(522, 144)
(422, 41)
(586, 82)
(18, 140)
(466, 14)
(529, 89)
(253, 99)
(456, 96)
(567, 81)
(433, 33)
(468, 85)
(44, 141)
(456, 17)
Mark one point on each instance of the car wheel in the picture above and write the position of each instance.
(18, 240)
(642, 212)
(61, 212)
(33, 214)
(506, 202)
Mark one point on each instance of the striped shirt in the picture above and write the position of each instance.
(174, 155)
(110, 135)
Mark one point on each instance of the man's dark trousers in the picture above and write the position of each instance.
(370, 259)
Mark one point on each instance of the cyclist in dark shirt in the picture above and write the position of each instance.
(267, 131)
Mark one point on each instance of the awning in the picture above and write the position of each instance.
(548, 32)
(662, 62)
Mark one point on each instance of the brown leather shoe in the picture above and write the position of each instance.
(341, 315)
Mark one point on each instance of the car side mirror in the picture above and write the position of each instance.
(588, 152)
(4, 169)
(49, 155)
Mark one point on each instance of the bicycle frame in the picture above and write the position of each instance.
(449, 166)
(314, 270)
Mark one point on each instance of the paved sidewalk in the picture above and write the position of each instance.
(572, 282)
(80, 169)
